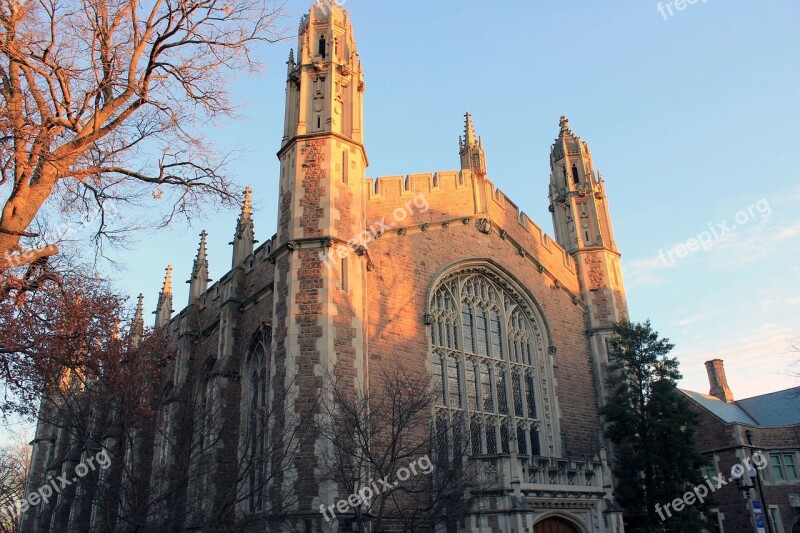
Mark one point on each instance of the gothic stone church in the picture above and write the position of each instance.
(457, 284)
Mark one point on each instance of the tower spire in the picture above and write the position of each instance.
(137, 325)
(582, 225)
(244, 238)
(469, 131)
(471, 149)
(199, 280)
(325, 83)
(577, 196)
(164, 309)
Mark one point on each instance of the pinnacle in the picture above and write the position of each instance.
(469, 130)
(167, 288)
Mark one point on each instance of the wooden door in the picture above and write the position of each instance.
(554, 525)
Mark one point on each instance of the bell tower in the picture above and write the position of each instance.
(582, 225)
(325, 85)
(319, 318)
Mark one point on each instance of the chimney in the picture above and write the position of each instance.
(718, 381)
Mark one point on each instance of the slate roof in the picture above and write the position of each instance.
(780, 408)
(729, 412)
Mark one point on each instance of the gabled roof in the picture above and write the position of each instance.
(730, 413)
(780, 408)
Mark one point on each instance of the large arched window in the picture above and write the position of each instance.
(490, 367)
(255, 407)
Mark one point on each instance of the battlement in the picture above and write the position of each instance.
(425, 183)
(456, 188)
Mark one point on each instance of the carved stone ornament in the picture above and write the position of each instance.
(345, 69)
(317, 66)
(503, 234)
(428, 319)
(595, 272)
(401, 231)
(484, 225)
(465, 221)
(361, 86)
(291, 246)
(370, 265)
(552, 350)
(424, 227)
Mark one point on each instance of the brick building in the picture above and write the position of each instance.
(440, 272)
(730, 431)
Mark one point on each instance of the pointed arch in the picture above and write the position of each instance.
(256, 387)
(491, 358)
(558, 522)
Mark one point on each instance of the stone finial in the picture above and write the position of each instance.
(563, 124)
(718, 380)
(167, 287)
(164, 309)
(248, 201)
(137, 325)
(198, 284)
(469, 131)
(139, 315)
(471, 149)
(245, 236)
(290, 65)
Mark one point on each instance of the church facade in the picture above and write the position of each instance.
(440, 273)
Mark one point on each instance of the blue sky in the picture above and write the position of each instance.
(692, 120)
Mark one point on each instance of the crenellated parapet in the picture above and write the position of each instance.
(437, 198)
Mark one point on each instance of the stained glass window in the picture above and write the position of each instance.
(502, 394)
(480, 318)
(472, 385)
(516, 386)
(453, 382)
(482, 338)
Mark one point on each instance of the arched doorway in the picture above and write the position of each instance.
(554, 525)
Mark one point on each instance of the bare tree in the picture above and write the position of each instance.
(165, 443)
(14, 461)
(378, 433)
(102, 103)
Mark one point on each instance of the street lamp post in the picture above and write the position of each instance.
(749, 434)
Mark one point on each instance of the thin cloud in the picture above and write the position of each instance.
(756, 363)
(743, 246)
(699, 317)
